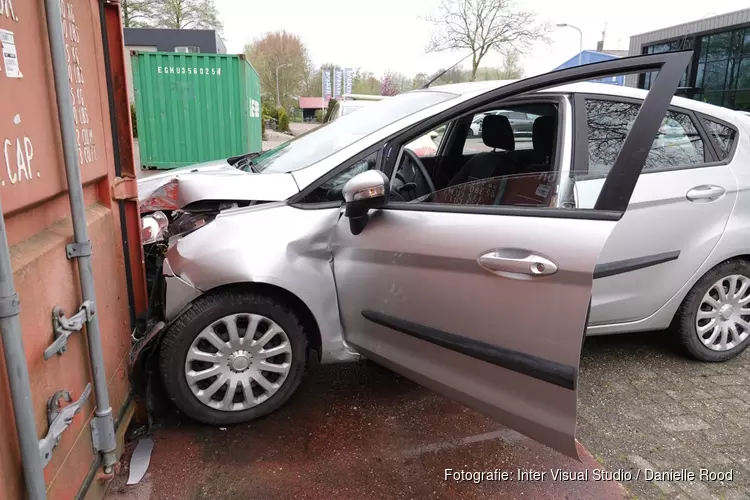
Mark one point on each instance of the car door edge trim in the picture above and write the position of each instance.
(625, 266)
(527, 364)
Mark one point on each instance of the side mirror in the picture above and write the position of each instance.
(153, 227)
(433, 135)
(362, 193)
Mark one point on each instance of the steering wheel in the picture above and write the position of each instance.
(412, 183)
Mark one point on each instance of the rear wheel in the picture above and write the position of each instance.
(233, 357)
(713, 323)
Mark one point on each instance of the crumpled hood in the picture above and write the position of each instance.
(213, 180)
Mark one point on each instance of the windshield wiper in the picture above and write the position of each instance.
(232, 160)
(243, 162)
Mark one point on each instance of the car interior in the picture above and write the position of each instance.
(505, 166)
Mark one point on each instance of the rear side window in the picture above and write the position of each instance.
(677, 143)
(724, 137)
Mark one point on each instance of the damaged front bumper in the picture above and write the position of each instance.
(179, 293)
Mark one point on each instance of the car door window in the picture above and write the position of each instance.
(677, 144)
(520, 123)
(427, 145)
(724, 137)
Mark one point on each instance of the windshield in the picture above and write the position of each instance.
(335, 135)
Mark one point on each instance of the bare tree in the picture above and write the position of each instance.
(136, 13)
(186, 14)
(482, 26)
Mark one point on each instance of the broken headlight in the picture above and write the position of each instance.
(187, 222)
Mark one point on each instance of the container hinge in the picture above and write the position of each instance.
(59, 419)
(125, 188)
(65, 327)
(10, 306)
(75, 250)
(103, 432)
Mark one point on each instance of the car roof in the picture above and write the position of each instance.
(596, 88)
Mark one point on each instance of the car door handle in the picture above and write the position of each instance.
(534, 265)
(706, 193)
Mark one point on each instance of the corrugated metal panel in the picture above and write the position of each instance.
(253, 100)
(637, 42)
(193, 107)
(36, 209)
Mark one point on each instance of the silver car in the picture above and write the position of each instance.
(474, 274)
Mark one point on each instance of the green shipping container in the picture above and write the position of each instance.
(192, 108)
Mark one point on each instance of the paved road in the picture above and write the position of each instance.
(359, 431)
(354, 431)
(642, 405)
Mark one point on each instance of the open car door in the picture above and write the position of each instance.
(489, 304)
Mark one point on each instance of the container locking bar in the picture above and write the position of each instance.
(65, 327)
(76, 250)
(59, 419)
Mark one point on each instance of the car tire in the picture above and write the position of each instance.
(686, 321)
(212, 313)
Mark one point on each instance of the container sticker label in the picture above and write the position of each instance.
(254, 108)
(10, 56)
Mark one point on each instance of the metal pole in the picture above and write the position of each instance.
(18, 375)
(103, 431)
(278, 98)
(580, 38)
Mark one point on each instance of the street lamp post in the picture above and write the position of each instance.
(278, 97)
(580, 38)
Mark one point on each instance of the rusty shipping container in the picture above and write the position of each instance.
(35, 201)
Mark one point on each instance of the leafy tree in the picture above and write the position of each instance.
(365, 83)
(283, 120)
(271, 51)
(137, 13)
(453, 75)
(483, 25)
(419, 80)
(388, 85)
(401, 82)
(185, 14)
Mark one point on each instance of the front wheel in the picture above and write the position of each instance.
(233, 357)
(713, 323)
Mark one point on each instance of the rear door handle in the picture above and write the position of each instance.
(706, 192)
(531, 264)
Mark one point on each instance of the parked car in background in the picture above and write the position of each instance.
(475, 274)
(352, 102)
(521, 123)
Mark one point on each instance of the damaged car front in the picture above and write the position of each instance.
(237, 243)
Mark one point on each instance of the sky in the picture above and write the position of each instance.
(391, 35)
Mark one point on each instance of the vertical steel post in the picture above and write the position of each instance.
(18, 374)
(102, 426)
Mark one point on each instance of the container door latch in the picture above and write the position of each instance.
(59, 419)
(65, 327)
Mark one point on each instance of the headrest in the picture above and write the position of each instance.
(543, 134)
(497, 132)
